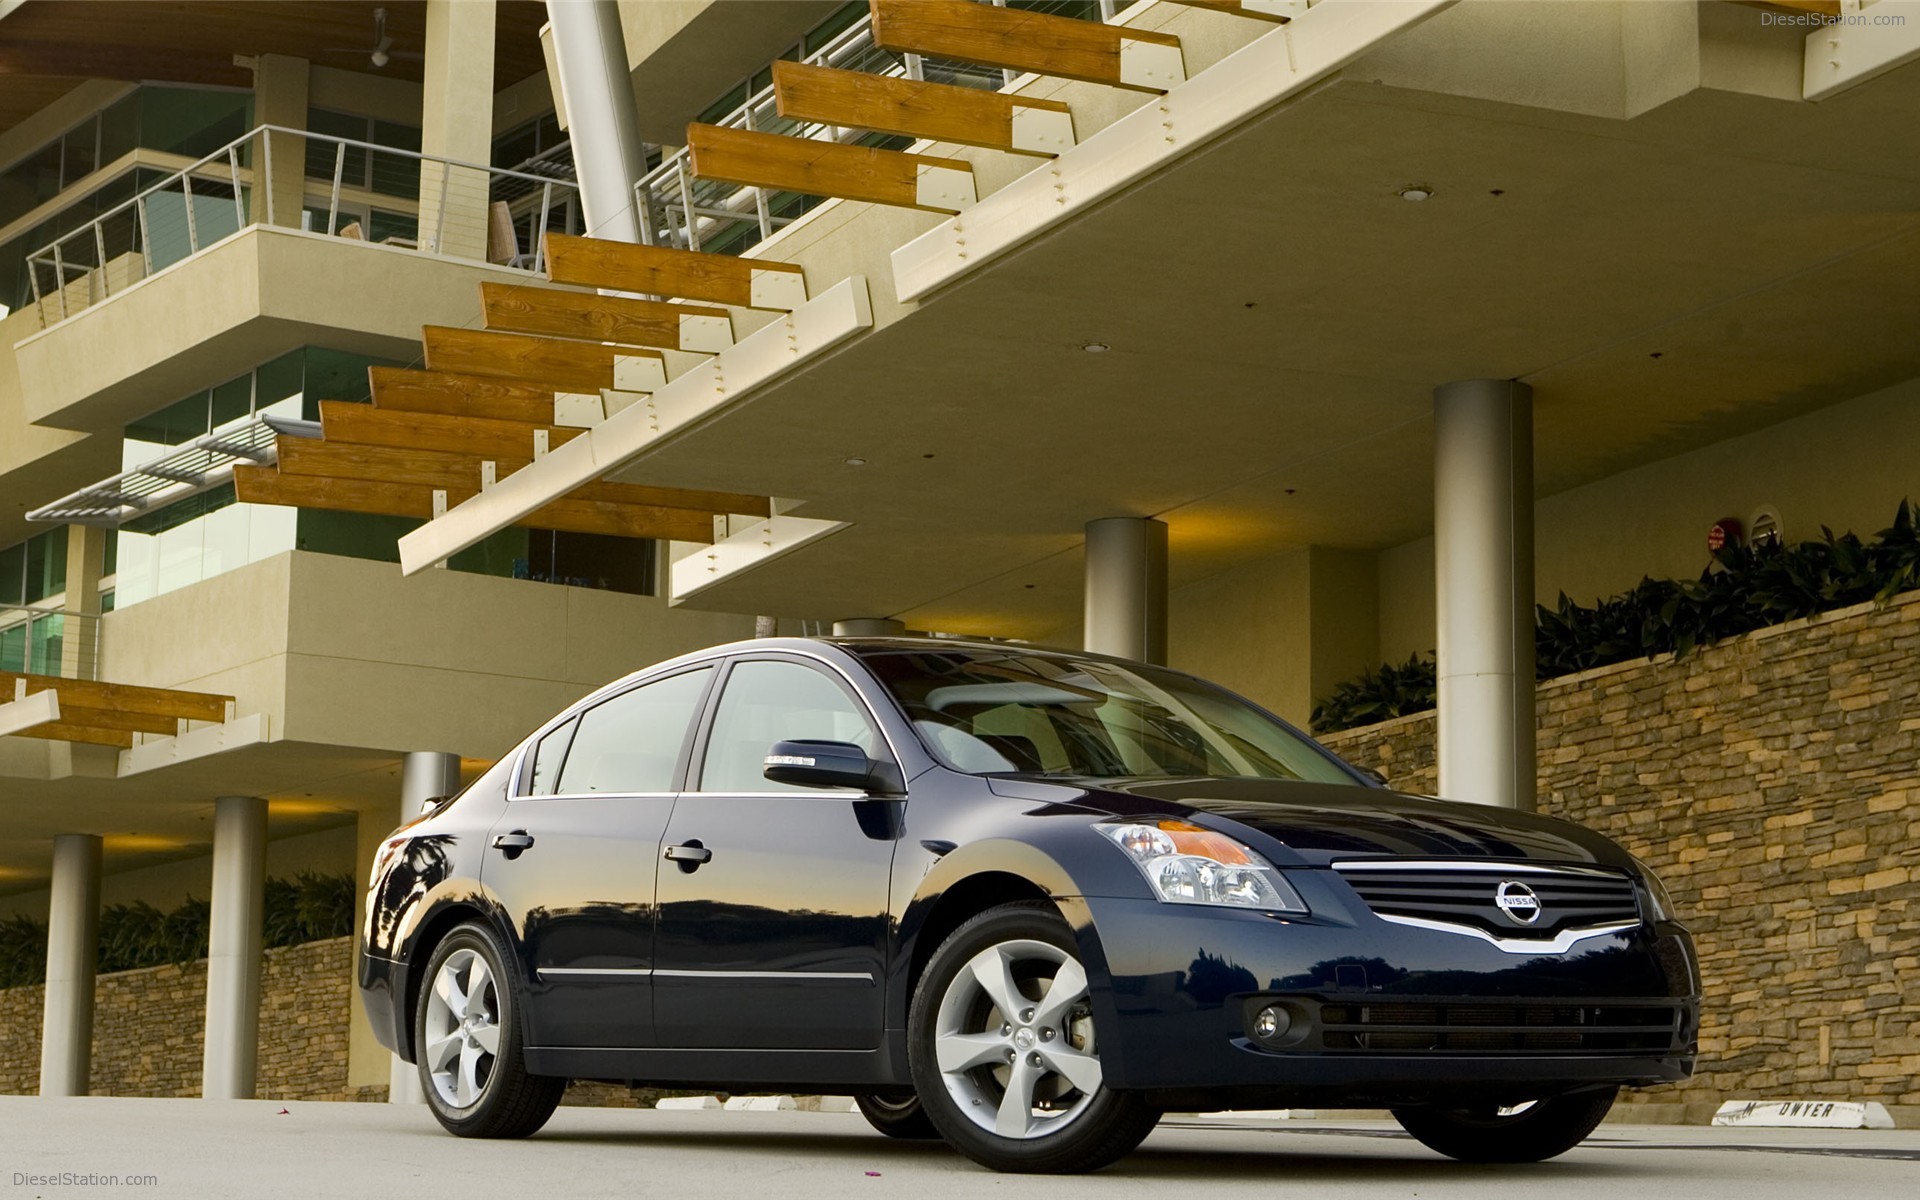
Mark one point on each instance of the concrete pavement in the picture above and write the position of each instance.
(207, 1150)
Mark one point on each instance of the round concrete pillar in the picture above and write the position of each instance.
(234, 940)
(1126, 596)
(869, 627)
(1483, 575)
(73, 935)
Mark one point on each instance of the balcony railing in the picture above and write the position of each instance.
(342, 187)
(36, 640)
(676, 209)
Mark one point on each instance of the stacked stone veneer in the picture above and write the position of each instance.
(1774, 784)
(149, 1028)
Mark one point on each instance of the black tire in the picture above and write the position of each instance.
(1096, 1127)
(1483, 1135)
(898, 1115)
(508, 1102)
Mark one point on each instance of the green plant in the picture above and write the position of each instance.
(1378, 695)
(23, 952)
(1744, 588)
(307, 908)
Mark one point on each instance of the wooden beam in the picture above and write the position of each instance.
(1278, 11)
(108, 719)
(397, 389)
(1019, 40)
(940, 112)
(461, 472)
(62, 731)
(122, 697)
(894, 177)
(265, 485)
(522, 309)
(484, 437)
(562, 365)
(688, 274)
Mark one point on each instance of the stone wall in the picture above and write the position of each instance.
(1773, 782)
(148, 1028)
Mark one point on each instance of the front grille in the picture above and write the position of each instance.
(1479, 1027)
(1465, 894)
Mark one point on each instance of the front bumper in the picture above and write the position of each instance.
(1383, 1014)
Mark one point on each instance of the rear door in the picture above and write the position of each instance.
(574, 860)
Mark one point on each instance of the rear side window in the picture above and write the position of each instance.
(548, 754)
(631, 742)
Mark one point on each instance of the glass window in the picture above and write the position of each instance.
(13, 647)
(631, 743)
(46, 565)
(776, 701)
(120, 128)
(233, 400)
(1014, 712)
(548, 754)
(13, 574)
(77, 153)
(192, 121)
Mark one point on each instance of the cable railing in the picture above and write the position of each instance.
(37, 640)
(676, 209)
(331, 185)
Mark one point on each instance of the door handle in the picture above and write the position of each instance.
(511, 844)
(689, 855)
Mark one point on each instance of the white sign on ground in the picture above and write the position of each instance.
(1804, 1114)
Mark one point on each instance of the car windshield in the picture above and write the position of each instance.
(990, 712)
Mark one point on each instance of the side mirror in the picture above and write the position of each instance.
(805, 762)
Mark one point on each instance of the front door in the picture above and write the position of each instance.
(574, 859)
(773, 914)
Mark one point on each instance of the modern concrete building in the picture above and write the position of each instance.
(1315, 336)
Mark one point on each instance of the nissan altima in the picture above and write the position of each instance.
(1020, 900)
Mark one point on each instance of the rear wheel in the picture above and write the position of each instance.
(897, 1114)
(1001, 1045)
(1529, 1132)
(467, 1043)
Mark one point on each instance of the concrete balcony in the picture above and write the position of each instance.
(259, 293)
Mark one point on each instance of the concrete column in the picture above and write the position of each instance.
(869, 627)
(594, 87)
(424, 775)
(73, 937)
(1127, 588)
(456, 122)
(1483, 559)
(80, 628)
(369, 1063)
(233, 948)
(280, 98)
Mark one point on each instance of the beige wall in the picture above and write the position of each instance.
(1281, 631)
(1846, 467)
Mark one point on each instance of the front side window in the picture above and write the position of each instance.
(1015, 712)
(777, 701)
(631, 742)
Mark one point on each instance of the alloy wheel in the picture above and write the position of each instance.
(462, 1029)
(1013, 1040)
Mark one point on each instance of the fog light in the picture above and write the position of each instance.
(1271, 1023)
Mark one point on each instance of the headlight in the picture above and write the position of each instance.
(1661, 902)
(1185, 864)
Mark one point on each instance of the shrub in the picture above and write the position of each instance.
(1744, 588)
(306, 908)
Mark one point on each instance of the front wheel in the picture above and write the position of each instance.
(1523, 1133)
(897, 1114)
(467, 1043)
(1002, 1050)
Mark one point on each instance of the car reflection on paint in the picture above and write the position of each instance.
(1019, 900)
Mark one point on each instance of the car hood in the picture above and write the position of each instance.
(1318, 823)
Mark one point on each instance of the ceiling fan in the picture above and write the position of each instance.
(381, 52)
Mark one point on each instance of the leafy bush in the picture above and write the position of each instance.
(1743, 589)
(306, 908)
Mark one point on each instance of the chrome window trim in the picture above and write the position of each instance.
(1562, 942)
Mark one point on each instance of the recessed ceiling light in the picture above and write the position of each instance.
(1096, 347)
(855, 461)
(1416, 193)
